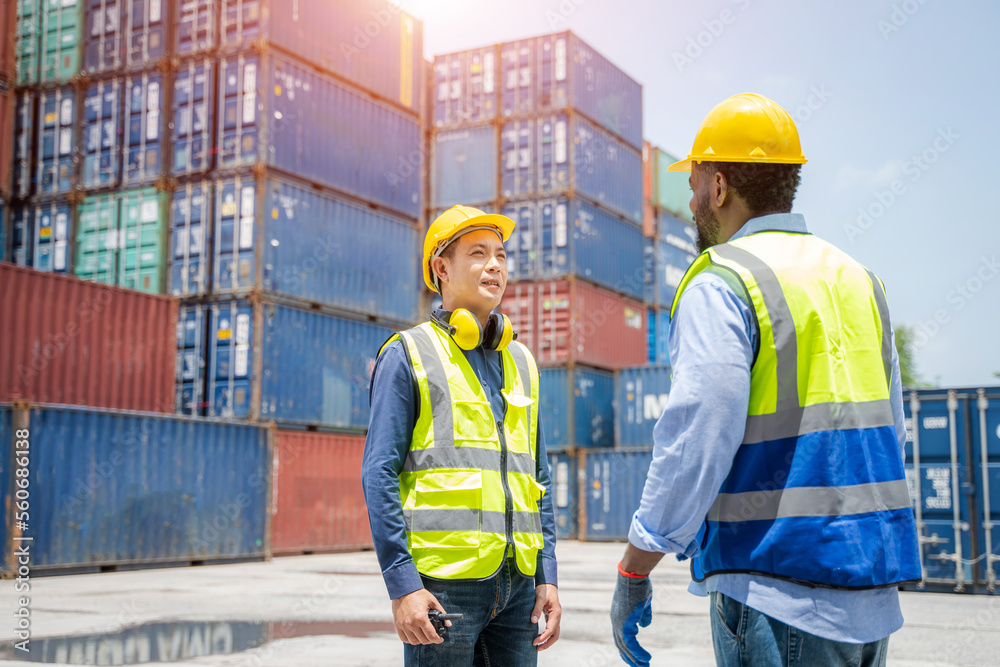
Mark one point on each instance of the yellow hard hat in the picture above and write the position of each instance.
(745, 128)
(451, 223)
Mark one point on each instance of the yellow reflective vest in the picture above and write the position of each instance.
(816, 493)
(468, 486)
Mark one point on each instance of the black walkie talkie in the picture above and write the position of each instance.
(438, 619)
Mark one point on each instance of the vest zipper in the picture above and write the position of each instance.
(508, 498)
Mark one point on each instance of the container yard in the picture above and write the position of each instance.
(213, 215)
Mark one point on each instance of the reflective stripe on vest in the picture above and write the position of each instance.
(457, 474)
(816, 492)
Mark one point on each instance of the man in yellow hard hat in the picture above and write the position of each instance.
(778, 463)
(455, 472)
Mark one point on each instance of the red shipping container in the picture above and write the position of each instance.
(319, 505)
(79, 343)
(571, 321)
(8, 28)
(648, 217)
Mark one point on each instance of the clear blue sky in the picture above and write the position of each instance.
(887, 81)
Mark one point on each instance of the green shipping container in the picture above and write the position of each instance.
(670, 188)
(121, 239)
(49, 35)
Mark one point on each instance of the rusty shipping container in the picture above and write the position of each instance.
(319, 505)
(571, 321)
(8, 23)
(79, 343)
(648, 216)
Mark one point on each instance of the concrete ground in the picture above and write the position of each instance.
(336, 612)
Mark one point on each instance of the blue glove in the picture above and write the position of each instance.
(631, 608)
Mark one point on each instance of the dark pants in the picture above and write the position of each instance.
(496, 630)
(745, 637)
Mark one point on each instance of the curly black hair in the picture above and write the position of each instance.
(766, 188)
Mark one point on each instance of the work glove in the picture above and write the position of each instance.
(631, 608)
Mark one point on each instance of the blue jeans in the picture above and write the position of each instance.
(745, 637)
(496, 629)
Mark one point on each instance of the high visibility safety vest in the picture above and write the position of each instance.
(468, 486)
(816, 493)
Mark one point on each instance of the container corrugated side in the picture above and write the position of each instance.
(319, 502)
(290, 365)
(555, 154)
(41, 235)
(562, 471)
(124, 34)
(85, 344)
(670, 188)
(275, 111)
(464, 87)
(570, 321)
(278, 237)
(648, 216)
(371, 43)
(673, 250)
(559, 72)
(102, 134)
(463, 166)
(576, 406)
(612, 484)
(55, 152)
(559, 237)
(641, 395)
(126, 488)
(192, 118)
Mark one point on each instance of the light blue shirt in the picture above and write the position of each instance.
(712, 341)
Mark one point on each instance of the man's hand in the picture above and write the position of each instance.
(409, 613)
(547, 602)
(631, 607)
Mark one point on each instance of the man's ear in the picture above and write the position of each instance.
(721, 188)
(440, 268)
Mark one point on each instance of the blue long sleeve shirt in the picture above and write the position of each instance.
(394, 399)
(712, 339)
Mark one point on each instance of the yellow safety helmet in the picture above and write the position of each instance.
(451, 224)
(745, 128)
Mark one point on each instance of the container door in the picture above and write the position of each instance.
(141, 257)
(57, 115)
(241, 21)
(97, 239)
(196, 26)
(986, 437)
(551, 154)
(554, 408)
(21, 251)
(24, 166)
(190, 222)
(102, 129)
(517, 74)
(235, 235)
(936, 469)
(27, 59)
(60, 38)
(145, 32)
(593, 408)
(562, 473)
(613, 488)
(192, 323)
(142, 128)
(239, 82)
(193, 118)
(51, 236)
(229, 376)
(104, 44)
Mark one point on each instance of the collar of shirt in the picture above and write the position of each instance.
(776, 222)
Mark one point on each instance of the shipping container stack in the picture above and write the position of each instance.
(549, 132)
(8, 78)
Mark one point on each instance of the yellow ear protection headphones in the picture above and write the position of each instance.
(468, 334)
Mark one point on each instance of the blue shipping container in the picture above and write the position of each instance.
(464, 87)
(576, 407)
(192, 329)
(289, 365)
(126, 488)
(143, 128)
(191, 124)
(274, 236)
(938, 470)
(463, 166)
(612, 483)
(123, 34)
(555, 154)
(559, 237)
(658, 325)
(277, 112)
(196, 26)
(640, 398)
(23, 167)
(372, 43)
(562, 472)
(668, 257)
(41, 234)
(55, 152)
(102, 118)
(986, 441)
(560, 71)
